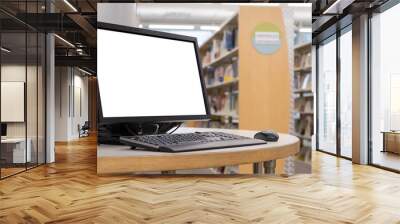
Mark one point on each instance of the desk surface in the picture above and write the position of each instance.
(391, 132)
(13, 140)
(122, 159)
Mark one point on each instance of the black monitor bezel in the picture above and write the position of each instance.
(154, 119)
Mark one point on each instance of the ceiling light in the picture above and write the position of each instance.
(331, 7)
(215, 28)
(64, 40)
(338, 6)
(5, 50)
(171, 27)
(305, 30)
(84, 71)
(140, 25)
(70, 5)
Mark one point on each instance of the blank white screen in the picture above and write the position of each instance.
(143, 76)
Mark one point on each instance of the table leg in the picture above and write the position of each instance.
(258, 168)
(289, 166)
(269, 167)
(168, 172)
(384, 143)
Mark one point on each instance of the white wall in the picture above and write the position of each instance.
(34, 125)
(70, 83)
(12, 73)
(117, 13)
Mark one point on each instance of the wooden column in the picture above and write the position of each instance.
(360, 90)
(264, 99)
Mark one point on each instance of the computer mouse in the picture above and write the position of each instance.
(267, 135)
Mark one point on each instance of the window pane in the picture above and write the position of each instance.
(385, 86)
(14, 153)
(346, 94)
(31, 97)
(327, 97)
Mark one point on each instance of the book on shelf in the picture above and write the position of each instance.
(220, 46)
(302, 60)
(303, 105)
(308, 107)
(306, 82)
(306, 60)
(215, 49)
(228, 40)
(224, 103)
(299, 104)
(303, 81)
(304, 126)
(221, 74)
(206, 58)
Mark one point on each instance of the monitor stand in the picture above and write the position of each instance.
(110, 133)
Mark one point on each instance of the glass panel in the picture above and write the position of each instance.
(32, 90)
(41, 99)
(346, 94)
(13, 86)
(31, 98)
(385, 84)
(327, 96)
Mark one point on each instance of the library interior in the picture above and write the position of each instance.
(290, 113)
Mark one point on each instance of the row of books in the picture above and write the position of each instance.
(220, 47)
(221, 74)
(304, 126)
(302, 81)
(303, 105)
(302, 60)
(224, 102)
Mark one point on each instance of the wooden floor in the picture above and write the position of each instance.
(69, 191)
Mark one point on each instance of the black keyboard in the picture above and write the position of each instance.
(188, 141)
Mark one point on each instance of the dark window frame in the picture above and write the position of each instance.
(30, 29)
(381, 9)
(333, 37)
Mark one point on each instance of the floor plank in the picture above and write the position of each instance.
(69, 191)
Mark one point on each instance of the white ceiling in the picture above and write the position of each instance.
(204, 13)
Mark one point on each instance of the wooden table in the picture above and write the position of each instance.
(117, 159)
(391, 141)
(15, 152)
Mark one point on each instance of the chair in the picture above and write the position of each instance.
(84, 130)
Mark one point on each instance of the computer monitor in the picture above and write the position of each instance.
(148, 76)
(3, 129)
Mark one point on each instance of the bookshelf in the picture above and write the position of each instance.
(242, 83)
(223, 58)
(247, 89)
(303, 98)
(220, 56)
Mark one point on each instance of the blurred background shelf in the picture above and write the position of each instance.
(225, 58)
(302, 91)
(222, 84)
(302, 123)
